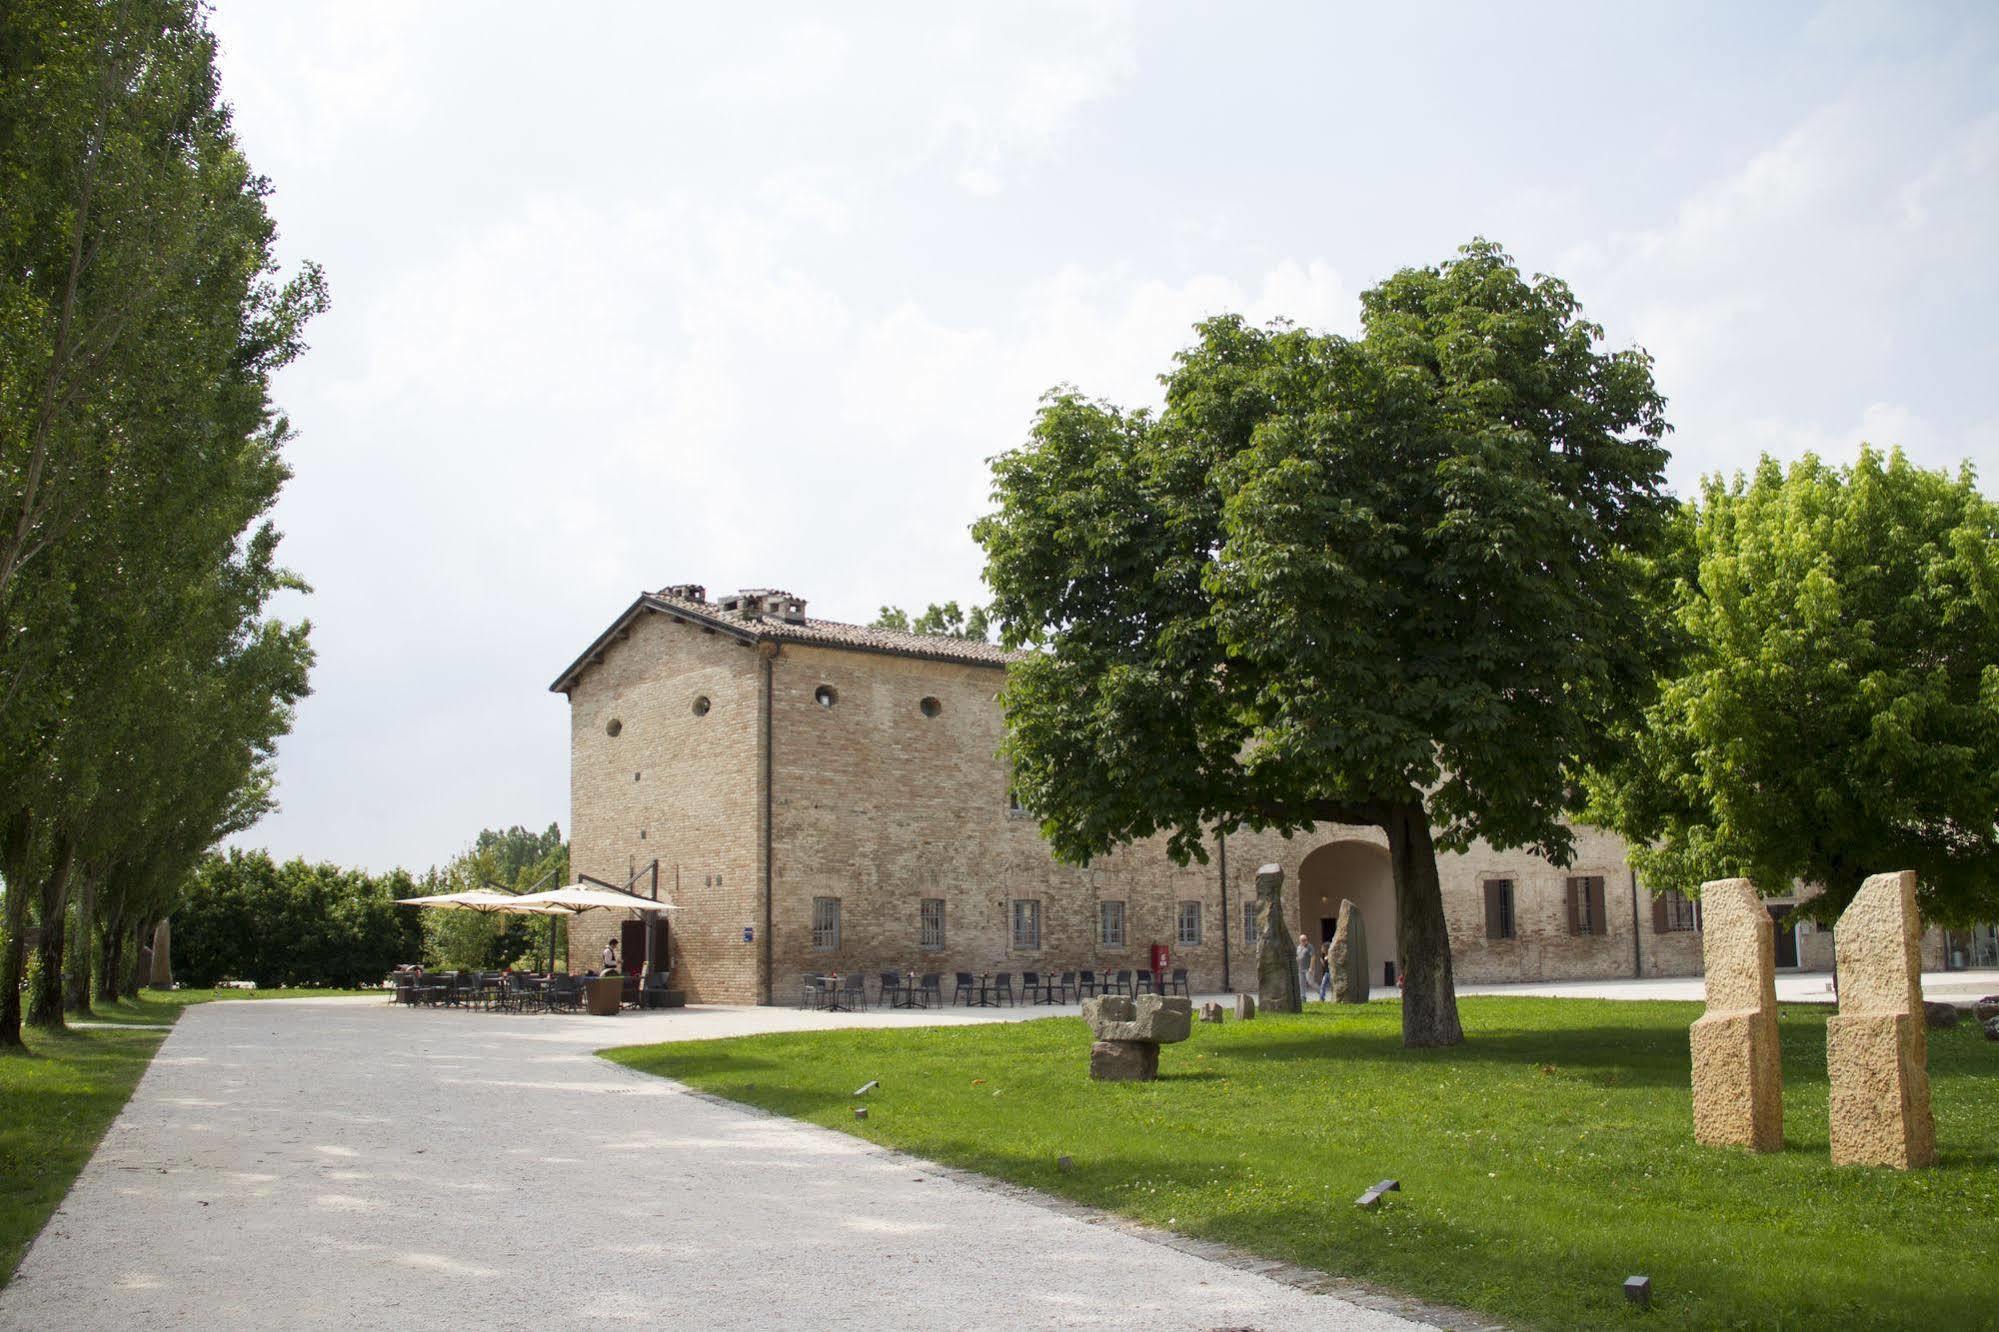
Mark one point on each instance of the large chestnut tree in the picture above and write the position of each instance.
(1394, 580)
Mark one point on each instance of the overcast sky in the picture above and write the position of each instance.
(628, 295)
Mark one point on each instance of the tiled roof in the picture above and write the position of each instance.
(833, 633)
(768, 626)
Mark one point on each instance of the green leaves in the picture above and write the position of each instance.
(1834, 715)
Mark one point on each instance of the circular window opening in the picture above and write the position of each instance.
(701, 705)
(613, 726)
(931, 707)
(826, 696)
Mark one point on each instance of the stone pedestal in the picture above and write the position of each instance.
(1877, 1054)
(1124, 1061)
(1351, 982)
(1277, 959)
(1129, 1033)
(1738, 1073)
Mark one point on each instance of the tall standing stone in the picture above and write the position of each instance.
(1738, 1070)
(1277, 963)
(1877, 1055)
(163, 967)
(1351, 982)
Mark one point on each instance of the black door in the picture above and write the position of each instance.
(1328, 927)
(1786, 937)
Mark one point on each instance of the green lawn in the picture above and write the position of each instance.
(58, 1097)
(1542, 1162)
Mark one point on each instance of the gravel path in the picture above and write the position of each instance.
(338, 1163)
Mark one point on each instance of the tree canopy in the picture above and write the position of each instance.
(1387, 581)
(1834, 710)
(945, 621)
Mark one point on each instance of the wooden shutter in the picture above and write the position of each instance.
(1575, 921)
(1660, 923)
(1492, 921)
(1598, 924)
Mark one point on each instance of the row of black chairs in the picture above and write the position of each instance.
(1066, 987)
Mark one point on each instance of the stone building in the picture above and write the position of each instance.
(819, 796)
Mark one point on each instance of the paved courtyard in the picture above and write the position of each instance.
(339, 1163)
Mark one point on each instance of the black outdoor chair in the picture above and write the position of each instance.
(891, 988)
(1179, 985)
(1086, 985)
(1003, 986)
(1145, 985)
(1030, 986)
(812, 990)
(967, 985)
(855, 990)
(931, 988)
(1065, 987)
(1119, 984)
(658, 985)
(565, 994)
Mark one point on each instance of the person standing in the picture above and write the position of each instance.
(1304, 965)
(1323, 962)
(611, 956)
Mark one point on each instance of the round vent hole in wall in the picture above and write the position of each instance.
(701, 706)
(931, 707)
(613, 726)
(826, 696)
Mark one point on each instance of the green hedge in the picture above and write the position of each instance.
(245, 917)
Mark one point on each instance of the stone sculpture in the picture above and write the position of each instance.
(1211, 1012)
(1277, 962)
(163, 968)
(1738, 1076)
(1877, 1054)
(1245, 1007)
(1349, 957)
(1129, 1033)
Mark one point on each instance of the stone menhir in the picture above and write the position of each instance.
(1876, 1051)
(1245, 1007)
(1349, 957)
(1277, 962)
(1211, 1012)
(162, 977)
(1738, 1075)
(1129, 1033)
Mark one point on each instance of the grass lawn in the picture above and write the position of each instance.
(1542, 1162)
(58, 1097)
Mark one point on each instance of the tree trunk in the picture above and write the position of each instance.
(83, 957)
(141, 972)
(1429, 1000)
(111, 953)
(45, 994)
(13, 957)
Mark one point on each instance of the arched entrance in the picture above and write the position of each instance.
(1351, 870)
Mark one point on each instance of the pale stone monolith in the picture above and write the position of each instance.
(1277, 962)
(1876, 1051)
(1349, 957)
(1245, 1007)
(1211, 1012)
(1738, 1073)
(163, 968)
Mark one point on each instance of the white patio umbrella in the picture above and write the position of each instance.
(482, 899)
(580, 897)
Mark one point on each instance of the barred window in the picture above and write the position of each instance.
(1110, 924)
(930, 920)
(1586, 915)
(825, 923)
(1499, 922)
(1673, 913)
(1190, 924)
(1027, 923)
(1252, 936)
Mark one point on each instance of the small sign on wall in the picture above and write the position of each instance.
(749, 934)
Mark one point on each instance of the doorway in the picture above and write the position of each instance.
(1785, 937)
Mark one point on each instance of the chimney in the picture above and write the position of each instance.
(693, 592)
(764, 603)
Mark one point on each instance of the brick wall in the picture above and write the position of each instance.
(676, 786)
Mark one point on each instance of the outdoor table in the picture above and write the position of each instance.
(831, 993)
(910, 996)
(983, 996)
